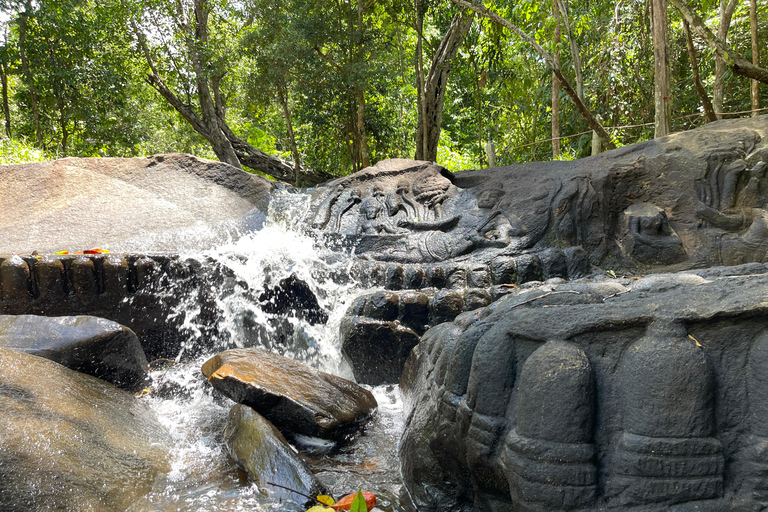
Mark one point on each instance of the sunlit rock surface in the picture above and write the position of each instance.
(260, 449)
(86, 344)
(163, 203)
(297, 399)
(69, 441)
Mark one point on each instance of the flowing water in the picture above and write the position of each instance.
(203, 477)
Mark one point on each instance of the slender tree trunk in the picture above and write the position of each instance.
(708, 110)
(575, 51)
(556, 86)
(738, 65)
(435, 85)
(282, 96)
(662, 89)
(421, 147)
(755, 89)
(360, 94)
(580, 106)
(727, 7)
(23, 17)
(6, 107)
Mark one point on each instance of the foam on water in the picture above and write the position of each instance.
(203, 476)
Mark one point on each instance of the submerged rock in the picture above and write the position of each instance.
(86, 344)
(296, 398)
(69, 441)
(260, 449)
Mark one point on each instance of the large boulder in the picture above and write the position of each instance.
(598, 394)
(297, 399)
(69, 441)
(163, 203)
(684, 201)
(260, 449)
(86, 344)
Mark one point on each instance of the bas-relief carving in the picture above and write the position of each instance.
(628, 410)
(691, 200)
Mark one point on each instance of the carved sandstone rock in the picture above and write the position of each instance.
(86, 344)
(71, 441)
(615, 396)
(688, 200)
(294, 397)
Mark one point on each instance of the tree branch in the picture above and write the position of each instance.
(738, 65)
(580, 106)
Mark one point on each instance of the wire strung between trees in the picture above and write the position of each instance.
(698, 114)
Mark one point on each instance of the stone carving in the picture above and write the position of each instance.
(690, 200)
(589, 395)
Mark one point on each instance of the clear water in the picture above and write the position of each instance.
(203, 476)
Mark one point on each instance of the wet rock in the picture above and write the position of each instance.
(293, 297)
(376, 350)
(69, 441)
(126, 203)
(262, 451)
(86, 344)
(297, 399)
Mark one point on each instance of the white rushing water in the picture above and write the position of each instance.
(203, 477)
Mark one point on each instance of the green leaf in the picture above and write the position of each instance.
(358, 504)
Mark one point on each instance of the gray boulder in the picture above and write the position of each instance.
(69, 441)
(86, 344)
(163, 203)
(297, 399)
(260, 449)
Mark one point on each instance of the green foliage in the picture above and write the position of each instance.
(301, 67)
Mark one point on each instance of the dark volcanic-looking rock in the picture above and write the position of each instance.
(162, 203)
(260, 449)
(688, 200)
(293, 297)
(86, 344)
(69, 441)
(297, 399)
(594, 396)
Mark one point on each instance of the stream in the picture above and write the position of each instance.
(203, 477)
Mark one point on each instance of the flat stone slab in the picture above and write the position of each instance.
(297, 399)
(69, 441)
(86, 344)
(162, 203)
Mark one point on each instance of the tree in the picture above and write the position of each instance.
(732, 59)
(196, 59)
(754, 90)
(580, 106)
(432, 87)
(556, 85)
(662, 88)
(727, 7)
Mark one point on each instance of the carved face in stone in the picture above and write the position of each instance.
(403, 186)
(489, 198)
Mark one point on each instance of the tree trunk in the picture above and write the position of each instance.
(360, 94)
(421, 147)
(556, 87)
(738, 65)
(580, 106)
(6, 107)
(211, 124)
(727, 7)
(575, 51)
(282, 96)
(662, 89)
(27, 72)
(755, 90)
(435, 84)
(708, 110)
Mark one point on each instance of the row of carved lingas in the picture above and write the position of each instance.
(666, 452)
(31, 278)
(567, 263)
